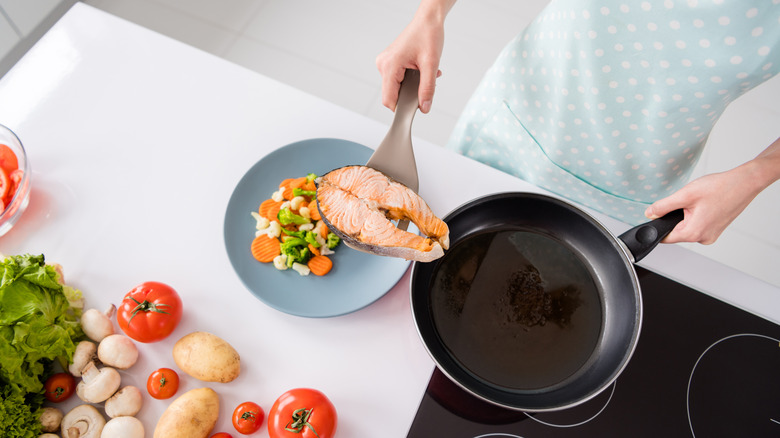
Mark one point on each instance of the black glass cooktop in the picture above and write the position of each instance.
(702, 368)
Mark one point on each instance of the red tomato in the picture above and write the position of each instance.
(8, 160)
(302, 413)
(5, 183)
(162, 383)
(222, 435)
(248, 417)
(150, 312)
(15, 180)
(59, 387)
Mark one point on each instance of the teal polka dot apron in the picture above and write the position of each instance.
(609, 103)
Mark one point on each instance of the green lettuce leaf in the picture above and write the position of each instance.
(38, 325)
(19, 413)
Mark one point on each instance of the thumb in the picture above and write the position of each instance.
(664, 206)
(427, 88)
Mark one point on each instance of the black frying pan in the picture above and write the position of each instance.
(536, 306)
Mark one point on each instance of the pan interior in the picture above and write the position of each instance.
(517, 308)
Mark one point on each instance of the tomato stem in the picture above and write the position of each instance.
(147, 306)
(300, 420)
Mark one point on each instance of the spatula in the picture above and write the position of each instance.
(395, 155)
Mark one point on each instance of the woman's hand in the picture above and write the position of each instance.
(419, 47)
(713, 201)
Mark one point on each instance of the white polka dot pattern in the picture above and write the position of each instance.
(610, 102)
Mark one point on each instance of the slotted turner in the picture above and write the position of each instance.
(395, 155)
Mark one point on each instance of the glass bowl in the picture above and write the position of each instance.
(15, 201)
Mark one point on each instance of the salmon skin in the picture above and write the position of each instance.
(358, 203)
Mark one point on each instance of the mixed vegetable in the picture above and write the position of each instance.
(290, 232)
(39, 326)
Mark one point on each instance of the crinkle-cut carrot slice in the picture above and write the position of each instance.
(265, 248)
(290, 185)
(269, 208)
(320, 265)
(310, 186)
(313, 211)
(314, 249)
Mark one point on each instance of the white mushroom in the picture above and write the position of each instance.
(86, 351)
(123, 427)
(97, 385)
(117, 351)
(125, 403)
(83, 421)
(51, 419)
(97, 325)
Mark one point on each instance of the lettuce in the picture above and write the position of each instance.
(19, 413)
(38, 325)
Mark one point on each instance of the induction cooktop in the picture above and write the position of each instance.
(702, 368)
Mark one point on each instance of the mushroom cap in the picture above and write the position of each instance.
(96, 324)
(51, 418)
(126, 402)
(83, 421)
(97, 385)
(85, 352)
(123, 427)
(117, 351)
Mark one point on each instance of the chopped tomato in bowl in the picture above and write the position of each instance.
(14, 179)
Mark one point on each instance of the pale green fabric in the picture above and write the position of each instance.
(609, 103)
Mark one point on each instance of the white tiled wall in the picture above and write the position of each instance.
(22, 22)
(327, 48)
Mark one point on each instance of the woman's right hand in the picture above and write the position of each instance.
(418, 47)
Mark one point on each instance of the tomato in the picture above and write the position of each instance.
(8, 160)
(5, 183)
(222, 435)
(15, 180)
(248, 417)
(302, 413)
(150, 312)
(162, 383)
(59, 387)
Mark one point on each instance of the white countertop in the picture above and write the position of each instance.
(136, 143)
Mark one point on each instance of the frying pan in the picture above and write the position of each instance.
(536, 306)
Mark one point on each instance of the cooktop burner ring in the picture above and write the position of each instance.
(580, 423)
(774, 419)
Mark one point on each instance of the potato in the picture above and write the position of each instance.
(207, 357)
(192, 415)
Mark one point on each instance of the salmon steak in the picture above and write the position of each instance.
(359, 204)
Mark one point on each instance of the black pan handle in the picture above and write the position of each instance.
(641, 239)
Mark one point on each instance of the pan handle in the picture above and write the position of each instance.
(641, 239)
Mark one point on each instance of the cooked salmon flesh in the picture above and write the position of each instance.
(358, 203)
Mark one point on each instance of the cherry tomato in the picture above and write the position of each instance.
(248, 417)
(162, 383)
(302, 413)
(8, 160)
(150, 312)
(222, 435)
(5, 183)
(59, 387)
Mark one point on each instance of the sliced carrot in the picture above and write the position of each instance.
(320, 265)
(313, 211)
(324, 230)
(295, 183)
(314, 250)
(310, 186)
(265, 248)
(269, 208)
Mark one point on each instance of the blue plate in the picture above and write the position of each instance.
(356, 280)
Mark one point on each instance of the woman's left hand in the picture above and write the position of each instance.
(713, 201)
(710, 204)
